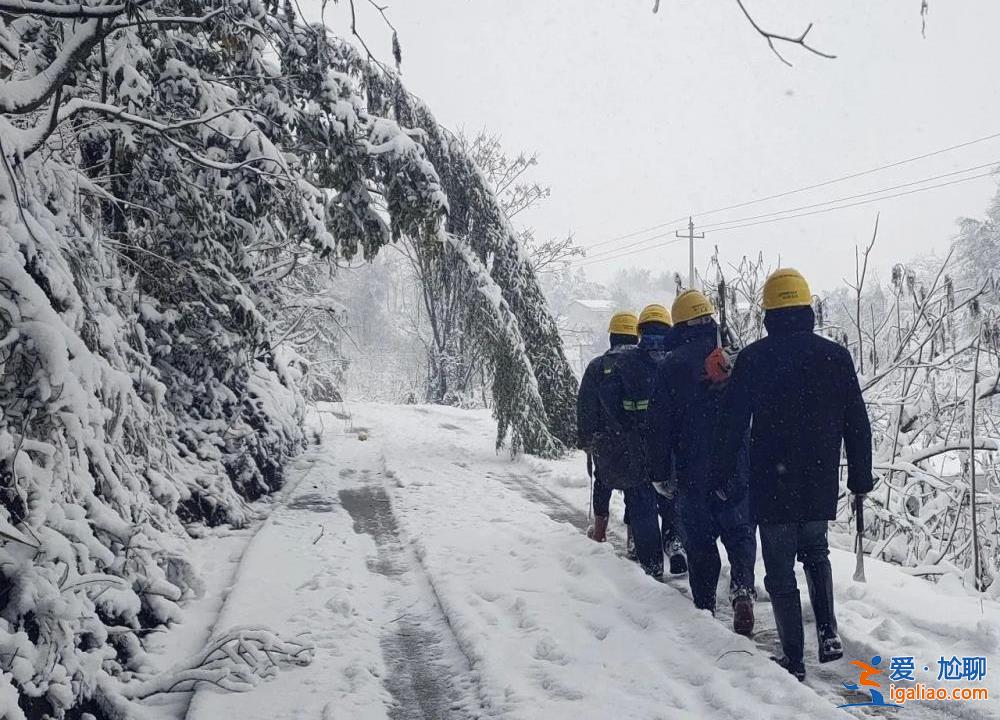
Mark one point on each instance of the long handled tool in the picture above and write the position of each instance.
(590, 474)
(859, 518)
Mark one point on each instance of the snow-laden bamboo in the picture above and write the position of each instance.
(165, 168)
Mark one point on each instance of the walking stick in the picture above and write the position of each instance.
(590, 474)
(859, 517)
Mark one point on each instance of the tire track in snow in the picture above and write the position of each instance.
(430, 677)
(554, 506)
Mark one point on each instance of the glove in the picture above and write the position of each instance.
(664, 489)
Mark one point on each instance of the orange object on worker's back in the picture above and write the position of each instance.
(717, 366)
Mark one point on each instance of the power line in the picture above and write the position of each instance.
(590, 261)
(855, 197)
(626, 236)
(615, 250)
(805, 188)
(804, 214)
(852, 176)
(613, 253)
(856, 204)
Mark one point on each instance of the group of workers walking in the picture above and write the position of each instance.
(705, 449)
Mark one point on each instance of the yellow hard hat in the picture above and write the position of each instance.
(691, 304)
(785, 288)
(655, 313)
(624, 323)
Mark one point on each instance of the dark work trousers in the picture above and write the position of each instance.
(601, 499)
(670, 528)
(780, 544)
(704, 522)
(641, 508)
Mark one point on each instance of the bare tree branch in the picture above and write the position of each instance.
(771, 37)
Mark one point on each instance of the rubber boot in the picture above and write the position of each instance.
(796, 669)
(704, 566)
(743, 611)
(674, 551)
(819, 579)
(598, 531)
(788, 618)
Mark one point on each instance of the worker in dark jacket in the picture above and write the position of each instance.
(655, 343)
(624, 334)
(799, 395)
(694, 397)
(613, 414)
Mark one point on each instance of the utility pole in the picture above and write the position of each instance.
(691, 238)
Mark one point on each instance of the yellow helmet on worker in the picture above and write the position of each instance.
(786, 288)
(691, 305)
(655, 313)
(624, 322)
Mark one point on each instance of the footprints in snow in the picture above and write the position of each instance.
(313, 502)
(548, 649)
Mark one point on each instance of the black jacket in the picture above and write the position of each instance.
(643, 365)
(614, 415)
(799, 394)
(589, 414)
(693, 406)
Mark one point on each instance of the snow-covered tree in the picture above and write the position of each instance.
(166, 167)
(539, 378)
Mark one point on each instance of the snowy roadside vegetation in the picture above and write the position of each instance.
(173, 177)
(926, 344)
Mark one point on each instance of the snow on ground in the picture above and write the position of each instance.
(216, 553)
(892, 614)
(441, 580)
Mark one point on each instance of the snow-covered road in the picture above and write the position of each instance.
(441, 580)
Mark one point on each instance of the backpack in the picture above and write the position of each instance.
(626, 391)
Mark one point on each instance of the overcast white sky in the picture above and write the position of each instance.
(641, 118)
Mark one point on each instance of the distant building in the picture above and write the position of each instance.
(584, 329)
(589, 313)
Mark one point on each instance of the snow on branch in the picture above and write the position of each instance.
(56, 10)
(235, 661)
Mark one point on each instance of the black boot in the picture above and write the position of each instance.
(798, 669)
(742, 599)
(598, 531)
(830, 647)
(630, 551)
(674, 551)
(819, 578)
(788, 618)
